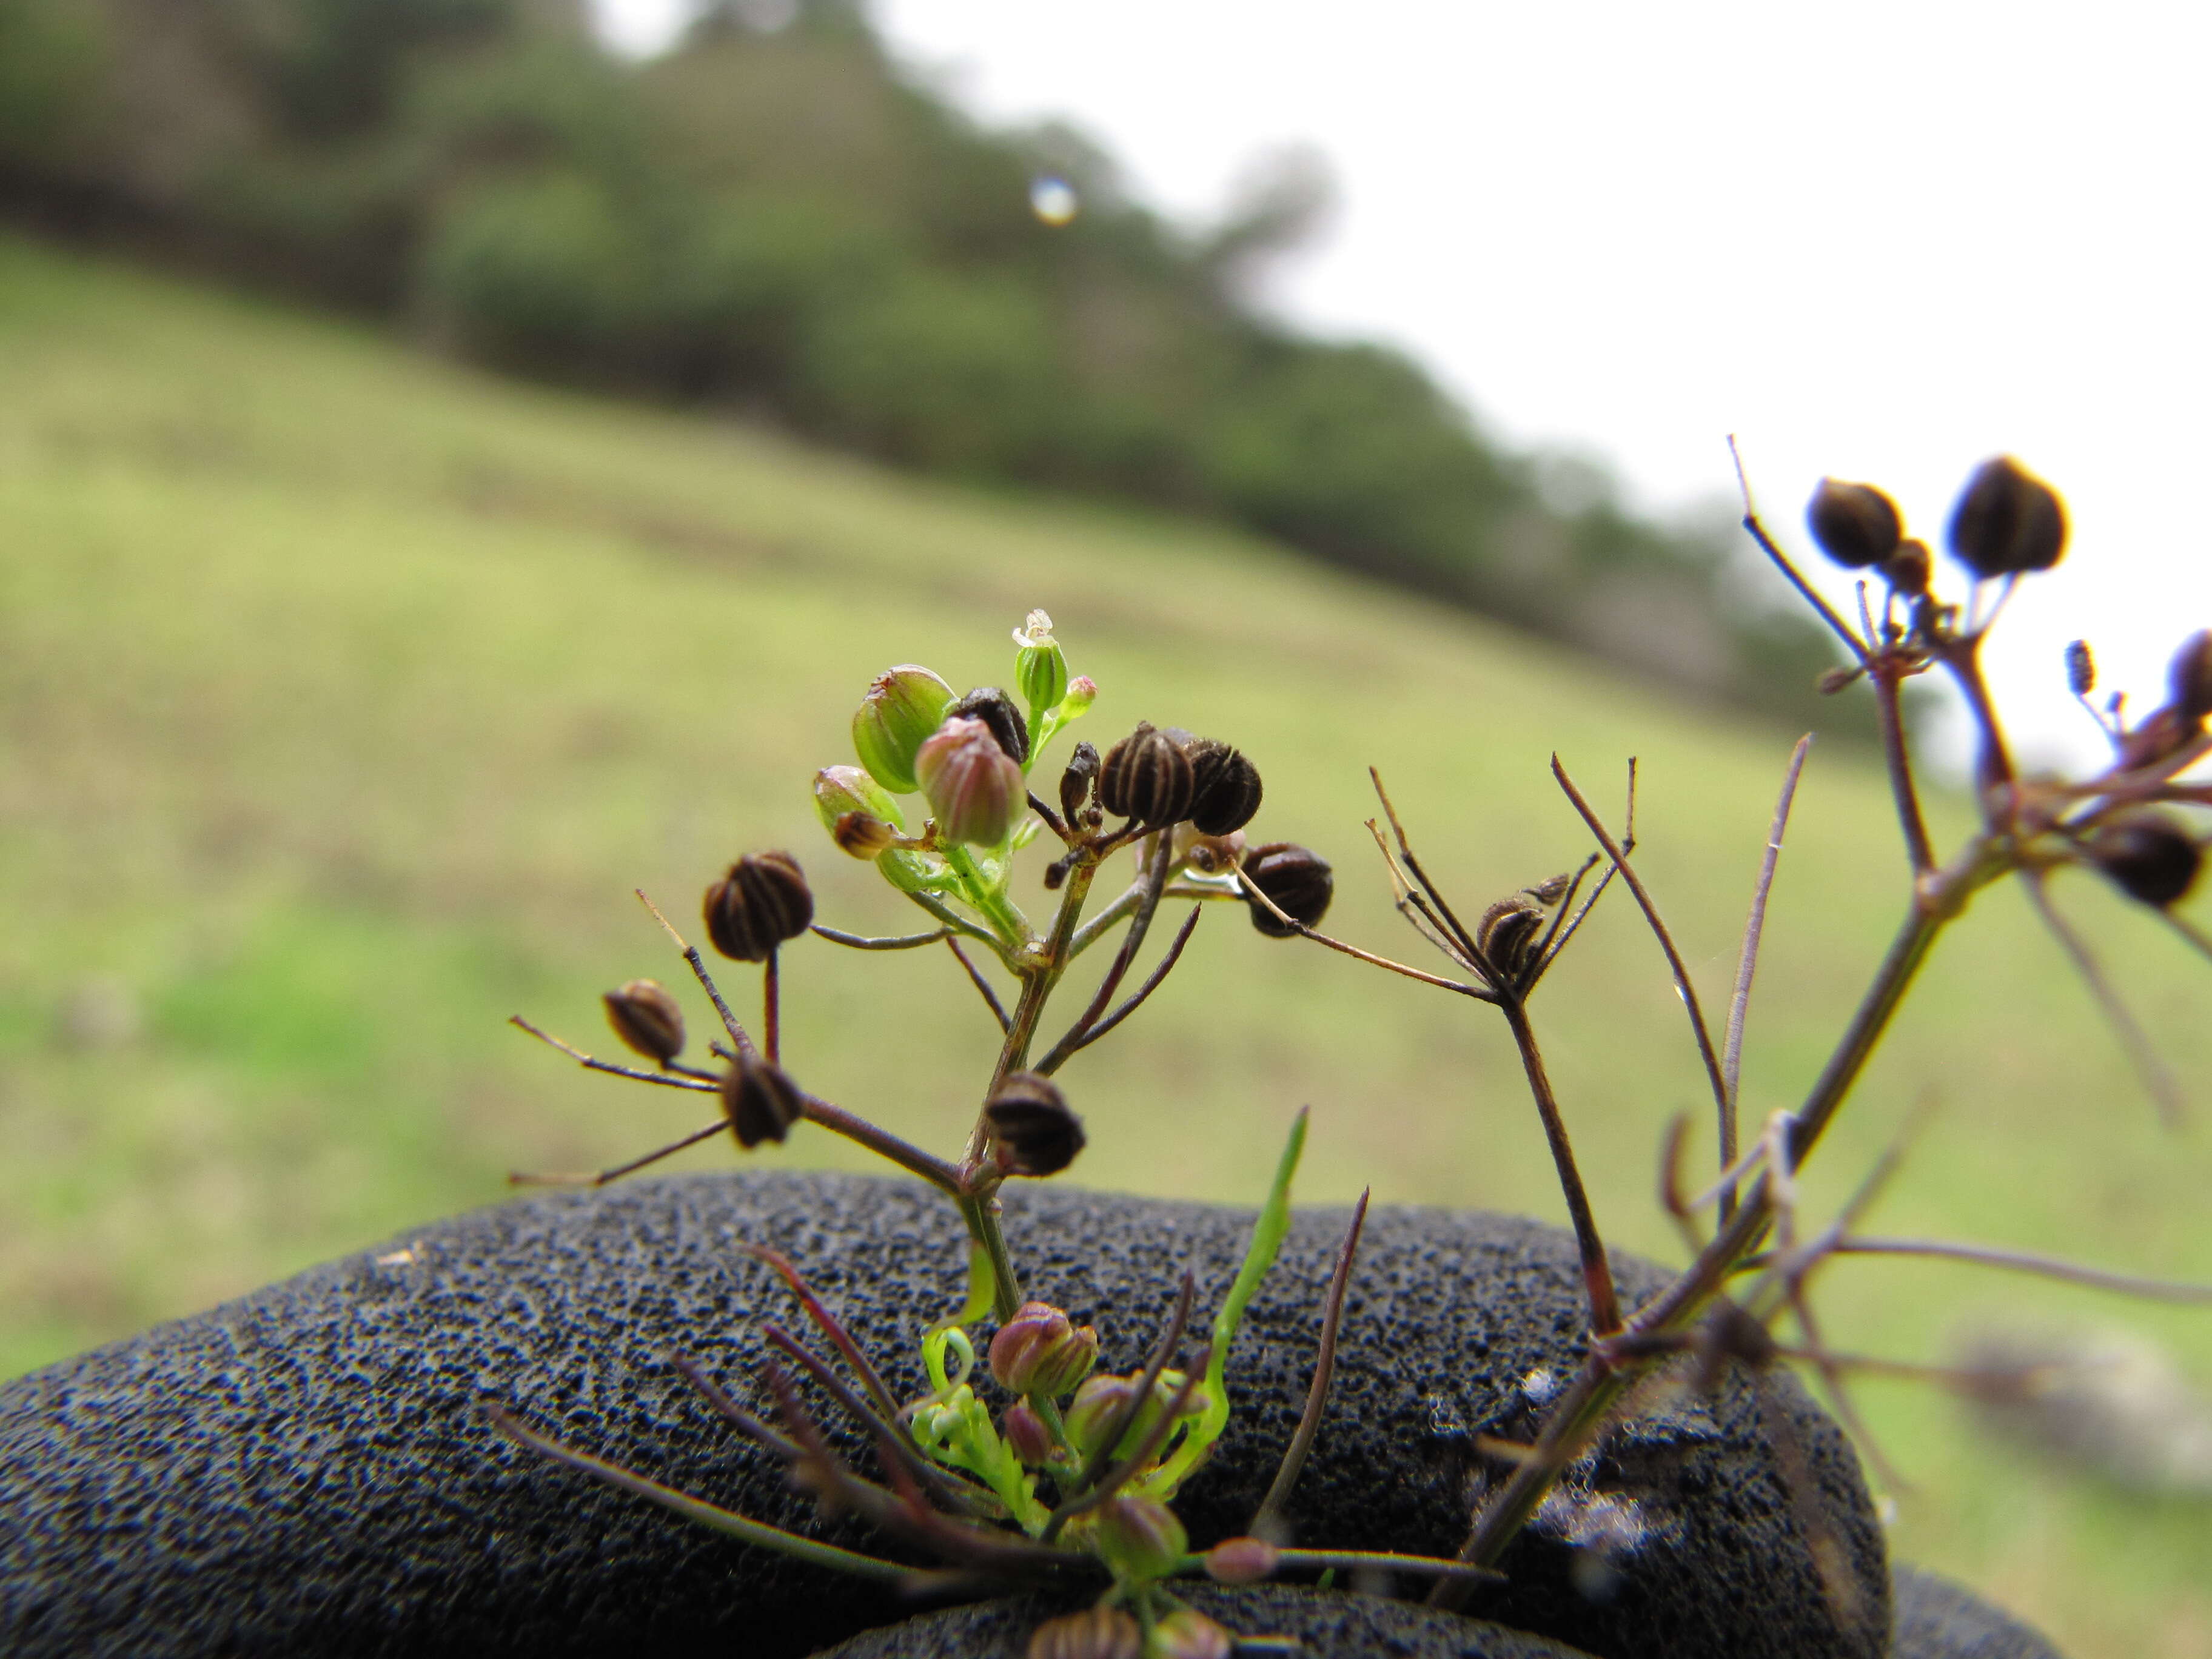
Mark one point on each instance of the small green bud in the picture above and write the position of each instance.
(762, 902)
(2007, 521)
(842, 789)
(1138, 1537)
(1241, 1560)
(1100, 1402)
(1187, 1633)
(904, 705)
(1040, 1350)
(975, 790)
(1855, 524)
(1025, 1435)
(761, 1100)
(1093, 1633)
(647, 1018)
(1082, 692)
(1040, 666)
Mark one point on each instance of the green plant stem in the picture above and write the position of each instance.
(1604, 1376)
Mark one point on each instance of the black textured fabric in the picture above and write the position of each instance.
(1937, 1619)
(307, 1469)
(1326, 1627)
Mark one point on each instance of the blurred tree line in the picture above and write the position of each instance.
(772, 216)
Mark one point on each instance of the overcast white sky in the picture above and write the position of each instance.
(1881, 240)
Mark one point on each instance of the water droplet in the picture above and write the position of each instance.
(1052, 199)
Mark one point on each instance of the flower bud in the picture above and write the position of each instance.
(1094, 1633)
(861, 834)
(842, 789)
(1082, 692)
(647, 1018)
(1295, 878)
(764, 901)
(1101, 1401)
(974, 787)
(1241, 1560)
(2189, 676)
(1032, 1129)
(904, 705)
(1075, 782)
(1908, 569)
(761, 1100)
(1138, 1537)
(1147, 777)
(2007, 521)
(1224, 787)
(1040, 666)
(1025, 1435)
(1508, 933)
(2148, 857)
(1855, 524)
(1187, 1633)
(996, 709)
(1040, 1350)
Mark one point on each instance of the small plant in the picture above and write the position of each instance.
(1073, 1477)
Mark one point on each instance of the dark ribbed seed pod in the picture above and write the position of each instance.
(1508, 933)
(996, 709)
(1031, 1126)
(2080, 668)
(2007, 521)
(1076, 782)
(1295, 878)
(2189, 676)
(861, 834)
(760, 1101)
(1224, 787)
(1855, 524)
(1146, 776)
(646, 1017)
(764, 901)
(1908, 569)
(2148, 857)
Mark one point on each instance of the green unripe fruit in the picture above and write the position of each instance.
(902, 709)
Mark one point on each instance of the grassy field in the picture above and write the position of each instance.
(345, 695)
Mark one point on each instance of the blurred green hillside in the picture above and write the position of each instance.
(782, 222)
(345, 695)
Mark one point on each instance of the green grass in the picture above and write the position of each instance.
(344, 694)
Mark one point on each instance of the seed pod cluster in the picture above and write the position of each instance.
(762, 901)
(2007, 522)
(1508, 934)
(988, 704)
(761, 1100)
(1041, 1351)
(1224, 787)
(2149, 857)
(646, 1017)
(1296, 879)
(1032, 1128)
(1147, 777)
(1855, 524)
